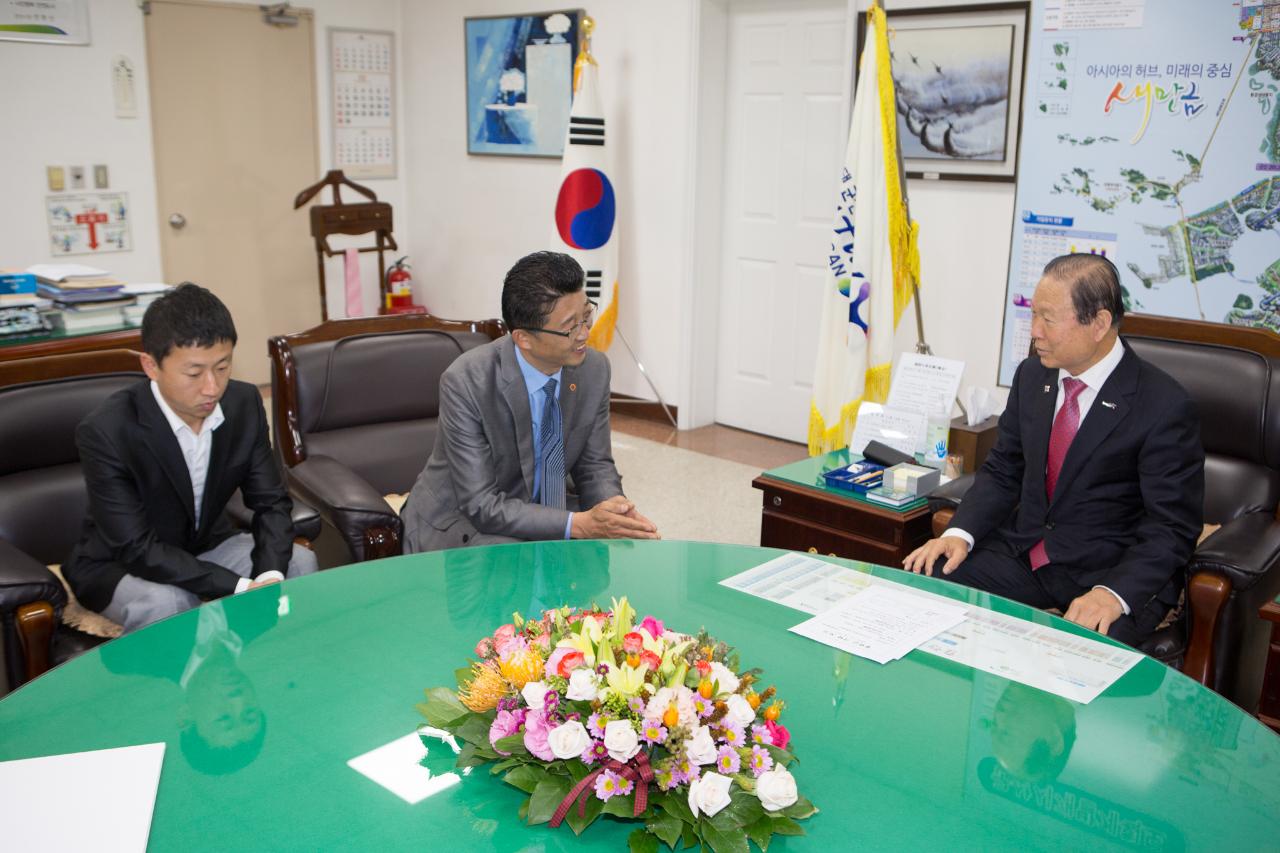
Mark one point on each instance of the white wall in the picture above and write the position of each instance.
(58, 110)
(473, 216)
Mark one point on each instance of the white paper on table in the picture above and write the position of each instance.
(100, 800)
(903, 430)
(918, 381)
(881, 623)
(65, 272)
(397, 766)
(1073, 667)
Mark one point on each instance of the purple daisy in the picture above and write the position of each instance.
(704, 707)
(598, 752)
(665, 778)
(760, 735)
(731, 733)
(596, 723)
(608, 784)
(761, 760)
(727, 760)
(653, 731)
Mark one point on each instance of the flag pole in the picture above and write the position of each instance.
(922, 347)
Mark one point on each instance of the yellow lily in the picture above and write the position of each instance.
(625, 680)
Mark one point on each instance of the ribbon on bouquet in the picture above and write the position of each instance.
(636, 769)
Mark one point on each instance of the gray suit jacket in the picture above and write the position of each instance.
(479, 479)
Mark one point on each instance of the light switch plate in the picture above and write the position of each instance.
(77, 177)
(57, 178)
(100, 181)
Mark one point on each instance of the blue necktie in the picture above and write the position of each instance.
(551, 457)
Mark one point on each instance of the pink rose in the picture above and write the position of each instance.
(650, 660)
(542, 642)
(504, 633)
(564, 661)
(781, 737)
(535, 735)
(511, 645)
(484, 648)
(504, 725)
(632, 643)
(653, 626)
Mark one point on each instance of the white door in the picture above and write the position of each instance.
(785, 101)
(233, 110)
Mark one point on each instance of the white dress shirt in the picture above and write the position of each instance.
(196, 448)
(1093, 378)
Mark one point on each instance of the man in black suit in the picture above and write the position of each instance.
(162, 458)
(1092, 498)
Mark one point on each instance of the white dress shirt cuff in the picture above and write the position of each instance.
(243, 583)
(957, 532)
(1124, 606)
(568, 526)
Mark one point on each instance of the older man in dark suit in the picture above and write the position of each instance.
(162, 458)
(1092, 498)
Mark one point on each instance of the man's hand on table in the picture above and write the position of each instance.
(613, 518)
(1096, 610)
(921, 559)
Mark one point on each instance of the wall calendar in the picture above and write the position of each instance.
(363, 114)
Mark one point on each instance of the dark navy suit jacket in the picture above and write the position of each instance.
(1129, 500)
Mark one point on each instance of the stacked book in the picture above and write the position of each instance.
(86, 299)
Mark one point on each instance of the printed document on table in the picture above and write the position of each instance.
(901, 429)
(882, 623)
(919, 380)
(1077, 668)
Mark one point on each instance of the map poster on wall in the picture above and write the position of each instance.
(1158, 146)
(89, 223)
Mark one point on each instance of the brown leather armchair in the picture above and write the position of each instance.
(43, 500)
(1233, 375)
(355, 407)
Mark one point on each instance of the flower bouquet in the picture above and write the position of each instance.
(590, 713)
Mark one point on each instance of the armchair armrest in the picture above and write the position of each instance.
(306, 521)
(1244, 549)
(348, 503)
(945, 500)
(30, 599)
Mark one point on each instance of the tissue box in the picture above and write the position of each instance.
(912, 479)
(973, 442)
(858, 477)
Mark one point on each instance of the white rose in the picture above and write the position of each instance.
(583, 686)
(569, 740)
(701, 749)
(776, 789)
(535, 695)
(709, 794)
(621, 740)
(724, 678)
(740, 710)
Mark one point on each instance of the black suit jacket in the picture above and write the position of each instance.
(141, 509)
(1129, 500)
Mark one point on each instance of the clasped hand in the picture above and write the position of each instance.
(613, 518)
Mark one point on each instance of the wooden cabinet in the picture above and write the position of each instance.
(802, 519)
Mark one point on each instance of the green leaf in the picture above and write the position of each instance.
(641, 841)
(760, 832)
(783, 825)
(547, 798)
(577, 770)
(780, 756)
(505, 764)
(621, 806)
(473, 756)
(462, 676)
(443, 709)
(525, 777)
(689, 836)
(800, 809)
(523, 813)
(474, 729)
(590, 812)
(674, 805)
(742, 810)
(666, 826)
(513, 744)
(724, 841)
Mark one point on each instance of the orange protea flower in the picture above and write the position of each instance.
(522, 667)
(484, 690)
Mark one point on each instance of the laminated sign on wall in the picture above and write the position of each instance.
(89, 223)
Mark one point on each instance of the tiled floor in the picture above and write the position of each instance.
(747, 448)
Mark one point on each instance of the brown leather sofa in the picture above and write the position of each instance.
(355, 406)
(43, 500)
(1233, 375)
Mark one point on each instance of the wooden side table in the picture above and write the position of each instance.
(800, 514)
(59, 343)
(1269, 701)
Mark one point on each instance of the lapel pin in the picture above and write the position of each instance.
(573, 386)
(1108, 405)
(1047, 388)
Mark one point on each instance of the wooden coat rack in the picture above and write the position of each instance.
(338, 218)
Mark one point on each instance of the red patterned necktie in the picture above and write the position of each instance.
(1065, 425)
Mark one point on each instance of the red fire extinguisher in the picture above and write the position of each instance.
(399, 285)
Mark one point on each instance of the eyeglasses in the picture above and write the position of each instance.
(585, 322)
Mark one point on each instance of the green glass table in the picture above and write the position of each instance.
(920, 754)
(800, 512)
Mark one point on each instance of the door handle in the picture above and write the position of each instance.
(177, 221)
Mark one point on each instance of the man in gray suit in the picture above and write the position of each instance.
(523, 438)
